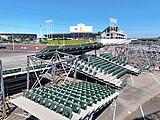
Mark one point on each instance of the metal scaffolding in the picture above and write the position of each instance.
(2, 94)
(56, 68)
(146, 57)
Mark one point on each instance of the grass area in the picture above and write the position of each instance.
(66, 41)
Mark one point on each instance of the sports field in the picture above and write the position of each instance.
(65, 41)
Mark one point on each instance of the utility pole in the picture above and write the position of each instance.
(12, 42)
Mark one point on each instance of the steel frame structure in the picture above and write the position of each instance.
(146, 57)
(58, 58)
(2, 94)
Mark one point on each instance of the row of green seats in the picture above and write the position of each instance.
(38, 67)
(52, 48)
(51, 104)
(69, 96)
(112, 58)
(121, 73)
(11, 71)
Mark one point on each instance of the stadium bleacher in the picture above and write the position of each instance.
(75, 100)
(119, 62)
(73, 49)
(101, 69)
(16, 70)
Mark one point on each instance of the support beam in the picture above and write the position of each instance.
(2, 91)
(28, 81)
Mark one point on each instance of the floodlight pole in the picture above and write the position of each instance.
(40, 29)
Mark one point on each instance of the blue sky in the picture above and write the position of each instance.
(138, 18)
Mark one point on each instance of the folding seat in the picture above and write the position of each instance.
(69, 104)
(48, 95)
(83, 98)
(103, 95)
(72, 94)
(58, 99)
(83, 94)
(95, 72)
(77, 101)
(88, 95)
(71, 98)
(43, 101)
(89, 101)
(60, 108)
(29, 94)
(76, 108)
(67, 112)
(60, 95)
(48, 103)
(54, 105)
(86, 68)
(99, 97)
(25, 92)
(43, 94)
(53, 97)
(94, 99)
(78, 96)
(38, 98)
(53, 88)
(56, 93)
(63, 101)
(65, 96)
(83, 105)
(33, 96)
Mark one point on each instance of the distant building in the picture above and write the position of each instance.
(81, 28)
(113, 33)
(80, 31)
(72, 36)
(18, 36)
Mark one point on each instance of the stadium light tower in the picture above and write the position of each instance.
(49, 28)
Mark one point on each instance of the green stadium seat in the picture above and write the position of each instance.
(83, 105)
(38, 98)
(33, 96)
(69, 104)
(63, 101)
(67, 112)
(65, 96)
(76, 108)
(71, 98)
(60, 108)
(43, 101)
(58, 99)
(48, 103)
(54, 105)
(89, 101)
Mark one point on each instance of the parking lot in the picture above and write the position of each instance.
(14, 59)
(140, 92)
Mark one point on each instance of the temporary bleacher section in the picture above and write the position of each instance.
(75, 101)
(15, 79)
(18, 70)
(72, 49)
(102, 70)
(119, 62)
